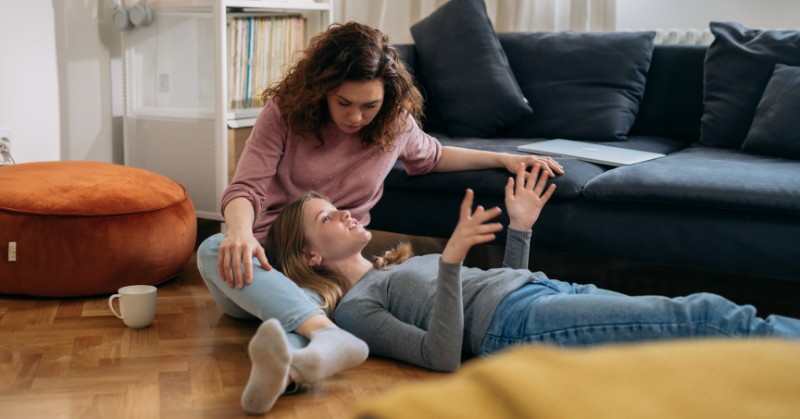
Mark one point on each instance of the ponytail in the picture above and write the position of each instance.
(396, 255)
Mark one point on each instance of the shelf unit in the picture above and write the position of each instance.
(176, 115)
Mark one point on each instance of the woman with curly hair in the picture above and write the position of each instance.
(346, 111)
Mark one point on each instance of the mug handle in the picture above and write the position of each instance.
(111, 305)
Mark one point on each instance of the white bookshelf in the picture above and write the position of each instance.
(176, 112)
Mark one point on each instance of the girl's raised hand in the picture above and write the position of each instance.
(526, 197)
(473, 228)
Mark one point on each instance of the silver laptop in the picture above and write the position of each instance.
(594, 153)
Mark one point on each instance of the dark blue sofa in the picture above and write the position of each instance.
(698, 210)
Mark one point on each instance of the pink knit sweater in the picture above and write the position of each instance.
(279, 164)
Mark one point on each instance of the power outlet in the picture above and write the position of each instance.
(5, 147)
(12, 251)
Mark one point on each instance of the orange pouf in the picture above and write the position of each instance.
(89, 228)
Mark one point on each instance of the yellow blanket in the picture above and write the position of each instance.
(679, 379)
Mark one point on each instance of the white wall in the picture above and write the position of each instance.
(55, 89)
(86, 43)
(29, 96)
(695, 14)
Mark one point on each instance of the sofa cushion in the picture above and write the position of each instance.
(582, 86)
(707, 177)
(776, 126)
(673, 96)
(492, 181)
(432, 120)
(467, 70)
(739, 63)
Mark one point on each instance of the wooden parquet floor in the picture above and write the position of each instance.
(71, 358)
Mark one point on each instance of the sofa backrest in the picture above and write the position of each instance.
(432, 121)
(671, 107)
(673, 97)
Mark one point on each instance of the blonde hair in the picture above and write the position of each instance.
(287, 240)
(396, 255)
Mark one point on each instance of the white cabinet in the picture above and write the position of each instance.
(177, 76)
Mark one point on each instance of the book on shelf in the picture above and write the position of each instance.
(261, 49)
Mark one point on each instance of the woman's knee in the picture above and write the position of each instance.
(209, 248)
(207, 254)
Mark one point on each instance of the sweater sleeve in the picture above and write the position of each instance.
(438, 348)
(518, 249)
(420, 152)
(259, 160)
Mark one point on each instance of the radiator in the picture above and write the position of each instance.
(689, 36)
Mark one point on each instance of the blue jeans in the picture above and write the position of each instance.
(559, 313)
(271, 295)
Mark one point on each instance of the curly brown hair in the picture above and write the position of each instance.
(347, 52)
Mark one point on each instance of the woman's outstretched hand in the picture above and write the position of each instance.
(550, 166)
(473, 228)
(235, 260)
(526, 197)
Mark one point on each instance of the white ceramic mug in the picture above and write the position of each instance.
(137, 303)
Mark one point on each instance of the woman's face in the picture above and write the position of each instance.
(331, 233)
(355, 103)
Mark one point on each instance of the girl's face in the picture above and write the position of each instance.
(331, 233)
(355, 103)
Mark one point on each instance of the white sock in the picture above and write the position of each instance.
(269, 374)
(329, 351)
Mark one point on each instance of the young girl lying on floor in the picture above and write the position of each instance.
(429, 310)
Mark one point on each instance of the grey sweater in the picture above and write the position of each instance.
(424, 311)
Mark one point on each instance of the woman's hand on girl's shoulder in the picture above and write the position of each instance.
(473, 228)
